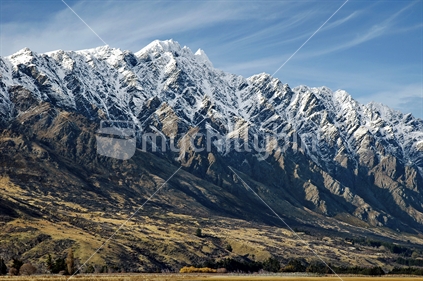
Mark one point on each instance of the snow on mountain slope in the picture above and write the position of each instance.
(109, 83)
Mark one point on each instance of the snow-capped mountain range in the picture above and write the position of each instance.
(118, 83)
(338, 134)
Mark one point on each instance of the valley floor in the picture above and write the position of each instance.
(205, 277)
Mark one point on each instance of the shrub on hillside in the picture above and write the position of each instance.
(13, 271)
(229, 247)
(221, 270)
(27, 269)
(17, 264)
(294, 265)
(271, 265)
(318, 267)
(373, 271)
(233, 265)
(407, 270)
(70, 262)
(3, 267)
(192, 269)
(59, 265)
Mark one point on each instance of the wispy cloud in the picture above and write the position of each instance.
(342, 21)
(370, 49)
(383, 28)
(130, 25)
(406, 99)
(273, 30)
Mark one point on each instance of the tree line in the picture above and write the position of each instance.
(295, 265)
(66, 266)
(393, 248)
(63, 266)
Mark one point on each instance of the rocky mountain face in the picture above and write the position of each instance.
(316, 156)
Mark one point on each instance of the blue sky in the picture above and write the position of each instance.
(371, 49)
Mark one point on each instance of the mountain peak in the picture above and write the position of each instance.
(162, 46)
(23, 56)
(202, 57)
(23, 51)
(382, 109)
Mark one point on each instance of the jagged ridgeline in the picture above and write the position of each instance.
(317, 156)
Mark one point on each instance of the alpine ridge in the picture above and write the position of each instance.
(340, 158)
(116, 84)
